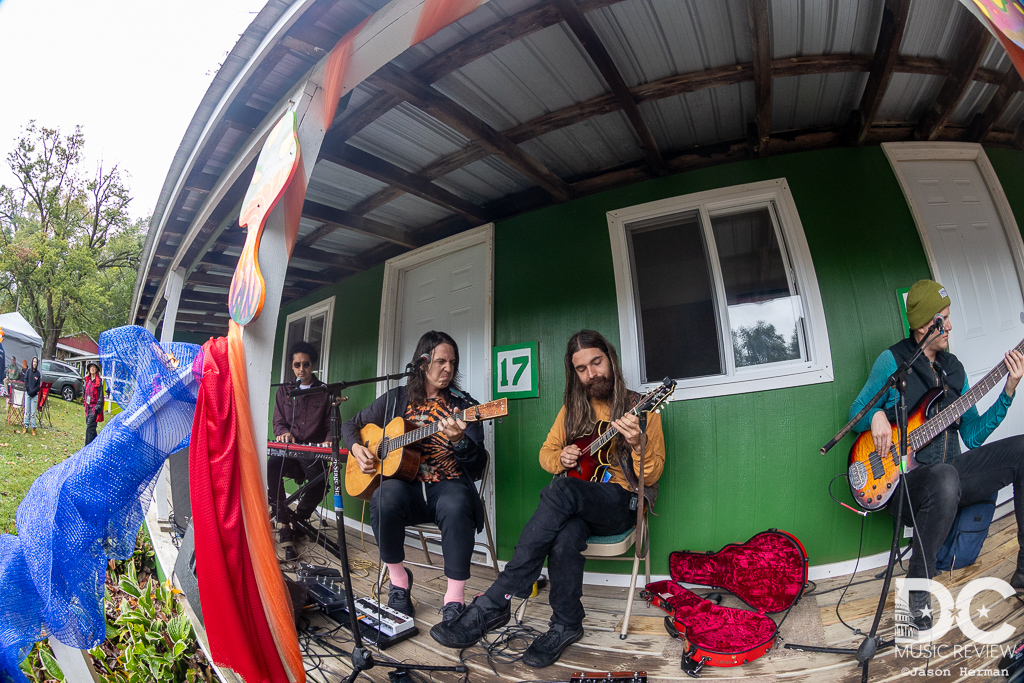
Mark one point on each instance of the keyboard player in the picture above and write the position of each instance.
(305, 420)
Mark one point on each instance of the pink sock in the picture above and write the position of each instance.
(399, 576)
(456, 592)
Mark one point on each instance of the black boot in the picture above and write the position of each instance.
(470, 626)
(547, 648)
(921, 609)
(400, 598)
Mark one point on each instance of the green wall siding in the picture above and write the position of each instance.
(736, 464)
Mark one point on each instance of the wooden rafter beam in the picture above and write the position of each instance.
(374, 167)
(598, 54)
(761, 45)
(972, 49)
(403, 84)
(334, 219)
(887, 50)
(983, 122)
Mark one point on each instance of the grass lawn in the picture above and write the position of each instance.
(24, 457)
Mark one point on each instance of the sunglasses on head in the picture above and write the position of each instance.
(301, 364)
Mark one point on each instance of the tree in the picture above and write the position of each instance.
(760, 344)
(68, 245)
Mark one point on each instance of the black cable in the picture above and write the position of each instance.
(860, 547)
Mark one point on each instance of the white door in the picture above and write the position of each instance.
(445, 287)
(971, 250)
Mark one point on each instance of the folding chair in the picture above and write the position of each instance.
(16, 404)
(43, 409)
(429, 528)
(617, 548)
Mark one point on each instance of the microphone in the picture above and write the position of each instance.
(939, 323)
(415, 365)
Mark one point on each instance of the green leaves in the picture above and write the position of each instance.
(50, 664)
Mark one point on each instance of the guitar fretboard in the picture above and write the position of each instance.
(948, 415)
(415, 435)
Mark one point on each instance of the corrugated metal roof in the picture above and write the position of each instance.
(934, 28)
(814, 27)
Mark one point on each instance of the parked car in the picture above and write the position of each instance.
(67, 383)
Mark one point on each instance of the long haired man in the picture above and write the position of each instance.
(571, 509)
(443, 491)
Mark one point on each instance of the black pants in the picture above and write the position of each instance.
(570, 510)
(397, 504)
(938, 491)
(300, 470)
(90, 427)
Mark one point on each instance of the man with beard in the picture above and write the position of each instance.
(571, 509)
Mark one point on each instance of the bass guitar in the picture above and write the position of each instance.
(391, 445)
(597, 454)
(873, 476)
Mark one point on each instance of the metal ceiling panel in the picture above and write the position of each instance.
(934, 29)
(974, 101)
(652, 39)
(346, 242)
(338, 186)
(410, 211)
(586, 147)
(824, 27)
(544, 72)
(348, 13)
(815, 100)
(700, 118)
(485, 181)
(409, 138)
(1012, 116)
(907, 97)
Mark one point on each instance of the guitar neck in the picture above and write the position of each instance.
(951, 413)
(421, 433)
(598, 443)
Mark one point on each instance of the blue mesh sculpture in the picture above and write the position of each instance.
(88, 509)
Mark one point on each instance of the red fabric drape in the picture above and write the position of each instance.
(236, 625)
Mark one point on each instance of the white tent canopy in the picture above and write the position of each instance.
(20, 340)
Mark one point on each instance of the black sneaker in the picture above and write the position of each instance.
(471, 625)
(547, 648)
(451, 611)
(399, 598)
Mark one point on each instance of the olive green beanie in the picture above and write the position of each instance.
(926, 298)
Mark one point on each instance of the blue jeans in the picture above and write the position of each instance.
(31, 404)
(570, 510)
(938, 491)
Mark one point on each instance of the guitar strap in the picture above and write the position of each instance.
(641, 501)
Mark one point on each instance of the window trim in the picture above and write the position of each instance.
(772, 376)
(327, 305)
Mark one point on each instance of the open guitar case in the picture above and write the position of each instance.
(768, 573)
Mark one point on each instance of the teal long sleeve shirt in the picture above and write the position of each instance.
(974, 427)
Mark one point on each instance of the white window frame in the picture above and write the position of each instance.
(794, 247)
(325, 354)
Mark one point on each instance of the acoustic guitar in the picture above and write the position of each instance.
(873, 476)
(393, 447)
(597, 454)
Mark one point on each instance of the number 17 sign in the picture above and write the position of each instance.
(515, 371)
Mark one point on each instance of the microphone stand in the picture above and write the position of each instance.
(872, 642)
(362, 658)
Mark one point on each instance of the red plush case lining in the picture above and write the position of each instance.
(768, 572)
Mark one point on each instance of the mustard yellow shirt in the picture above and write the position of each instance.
(654, 453)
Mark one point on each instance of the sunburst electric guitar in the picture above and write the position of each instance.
(597, 451)
(874, 476)
(394, 450)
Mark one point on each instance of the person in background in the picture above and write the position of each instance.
(13, 374)
(92, 398)
(33, 380)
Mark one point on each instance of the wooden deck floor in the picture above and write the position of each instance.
(812, 621)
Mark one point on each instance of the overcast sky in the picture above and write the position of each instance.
(130, 72)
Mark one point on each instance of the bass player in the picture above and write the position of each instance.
(443, 491)
(571, 509)
(945, 478)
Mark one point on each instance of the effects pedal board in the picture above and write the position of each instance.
(609, 677)
(383, 627)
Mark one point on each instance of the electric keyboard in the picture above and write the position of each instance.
(302, 450)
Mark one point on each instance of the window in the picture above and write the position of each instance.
(717, 291)
(311, 324)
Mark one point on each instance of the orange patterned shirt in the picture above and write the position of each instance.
(438, 461)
